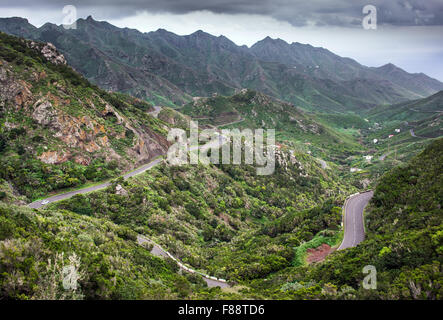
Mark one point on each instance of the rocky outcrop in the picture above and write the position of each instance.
(54, 157)
(80, 126)
(44, 113)
(49, 51)
(120, 190)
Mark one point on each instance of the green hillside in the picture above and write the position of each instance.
(404, 234)
(59, 131)
(409, 111)
(169, 69)
(35, 246)
(252, 109)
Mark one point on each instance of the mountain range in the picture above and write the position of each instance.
(58, 130)
(269, 237)
(168, 69)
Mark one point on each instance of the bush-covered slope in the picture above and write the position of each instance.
(169, 69)
(223, 219)
(404, 224)
(252, 109)
(409, 111)
(57, 130)
(36, 246)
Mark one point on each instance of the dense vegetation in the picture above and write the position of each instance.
(36, 246)
(224, 219)
(404, 224)
(252, 109)
(49, 110)
(170, 69)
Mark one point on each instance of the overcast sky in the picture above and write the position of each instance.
(409, 32)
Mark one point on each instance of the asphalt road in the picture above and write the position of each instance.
(157, 250)
(39, 204)
(354, 229)
(156, 111)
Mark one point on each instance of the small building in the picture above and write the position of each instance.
(390, 136)
(397, 130)
(375, 141)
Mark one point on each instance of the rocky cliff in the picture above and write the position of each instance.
(50, 113)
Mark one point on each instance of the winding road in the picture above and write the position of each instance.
(156, 250)
(353, 220)
(40, 203)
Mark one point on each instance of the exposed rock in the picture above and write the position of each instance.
(44, 113)
(120, 190)
(83, 135)
(82, 160)
(54, 157)
(49, 51)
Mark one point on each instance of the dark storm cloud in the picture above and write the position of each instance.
(296, 12)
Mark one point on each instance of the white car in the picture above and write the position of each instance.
(45, 202)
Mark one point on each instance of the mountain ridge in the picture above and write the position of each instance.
(169, 69)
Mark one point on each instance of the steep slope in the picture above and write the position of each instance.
(58, 130)
(404, 235)
(415, 82)
(322, 63)
(167, 69)
(419, 109)
(37, 246)
(214, 217)
(308, 59)
(252, 109)
(105, 56)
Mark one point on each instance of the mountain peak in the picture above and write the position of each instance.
(163, 31)
(268, 41)
(16, 25)
(274, 41)
(201, 33)
(16, 20)
(389, 66)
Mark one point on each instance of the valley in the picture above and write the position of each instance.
(84, 180)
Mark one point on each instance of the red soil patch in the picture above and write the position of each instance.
(318, 254)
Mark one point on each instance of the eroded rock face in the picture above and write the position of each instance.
(44, 112)
(16, 91)
(49, 51)
(78, 127)
(54, 157)
(120, 190)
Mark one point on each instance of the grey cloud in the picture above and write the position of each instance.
(297, 12)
